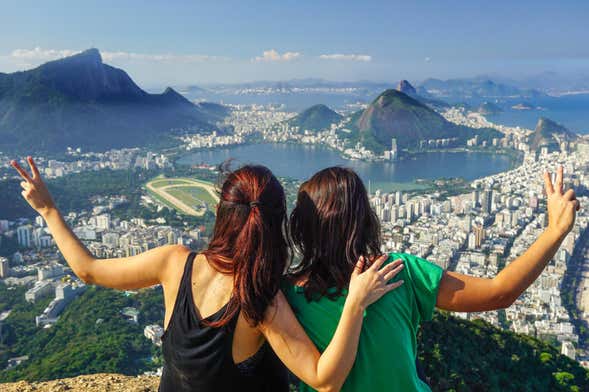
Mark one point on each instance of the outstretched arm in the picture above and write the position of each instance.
(143, 270)
(329, 370)
(463, 293)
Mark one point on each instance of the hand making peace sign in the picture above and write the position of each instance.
(561, 206)
(34, 191)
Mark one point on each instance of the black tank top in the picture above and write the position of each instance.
(199, 358)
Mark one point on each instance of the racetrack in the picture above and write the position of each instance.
(185, 202)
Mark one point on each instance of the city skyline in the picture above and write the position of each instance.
(232, 42)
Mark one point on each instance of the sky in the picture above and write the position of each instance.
(194, 42)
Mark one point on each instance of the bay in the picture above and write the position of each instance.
(572, 111)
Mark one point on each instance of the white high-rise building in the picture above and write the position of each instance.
(24, 235)
(50, 271)
(568, 349)
(103, 221)
(4, 267)
(40, 221)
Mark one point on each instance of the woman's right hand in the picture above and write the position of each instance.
(368, 286)
(561, 206)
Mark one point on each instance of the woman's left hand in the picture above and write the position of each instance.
(35, 191)
(369, 286)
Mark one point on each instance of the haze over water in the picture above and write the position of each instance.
(300, 162)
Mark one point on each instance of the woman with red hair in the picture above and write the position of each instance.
(224, 305)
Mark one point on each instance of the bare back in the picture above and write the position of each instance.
(211, 291)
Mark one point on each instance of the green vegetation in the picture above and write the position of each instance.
(19, 327)
(460, 355)
(74, 191)
(315, 118)
(193, 196)
(90, 337)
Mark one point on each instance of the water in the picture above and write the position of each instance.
(572, 111)
(301, 161)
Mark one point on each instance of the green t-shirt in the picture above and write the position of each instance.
(388, 344)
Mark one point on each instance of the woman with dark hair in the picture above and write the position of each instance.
(224, 304)
(333, 224)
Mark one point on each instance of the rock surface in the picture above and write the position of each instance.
(88, 383)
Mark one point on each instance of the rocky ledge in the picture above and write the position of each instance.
(89, 383)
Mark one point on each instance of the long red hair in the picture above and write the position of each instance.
(249, 240)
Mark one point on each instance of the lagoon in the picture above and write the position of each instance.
(301, 161)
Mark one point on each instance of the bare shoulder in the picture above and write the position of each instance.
(180, 251)
(176, 256)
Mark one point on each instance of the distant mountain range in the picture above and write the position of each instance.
(80, 101)
(473, 90)
(298, 94)
(550, 134)
(315, 118)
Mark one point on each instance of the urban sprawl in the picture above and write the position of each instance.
(477, 232)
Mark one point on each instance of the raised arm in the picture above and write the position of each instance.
(329, 370)
(465, 293)
(143, 270)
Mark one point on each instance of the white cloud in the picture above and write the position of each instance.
(273, 55)
(188, 58)
(346, 57)
(40, 54)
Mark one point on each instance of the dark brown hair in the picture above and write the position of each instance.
(249, 240)
(331, 226)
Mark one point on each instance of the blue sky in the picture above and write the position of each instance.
(179, 42)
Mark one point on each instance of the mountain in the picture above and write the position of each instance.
(315, 118)
(472, 90)
(405, 87)
(487, 108)
(550, 134)
(80, 101)
(396, 115)
(293, 95)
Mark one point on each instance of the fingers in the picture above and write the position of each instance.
(33, 167)
(21, 171)
(576, 205)
(379, 262)
(559, 174)
(394, 285)
(569, 195)
(359, 267)
(548, 184)
(391, 270)
(25, 185)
